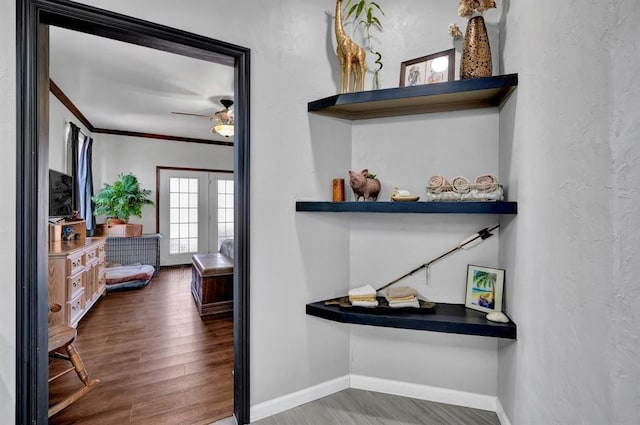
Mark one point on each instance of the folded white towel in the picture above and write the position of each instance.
(401, 292)
(400, 300)
(415, 303)
(365, 303)
(363, 290)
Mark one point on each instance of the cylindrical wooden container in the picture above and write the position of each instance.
(338, 190)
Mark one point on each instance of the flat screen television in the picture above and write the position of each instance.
(60, 194)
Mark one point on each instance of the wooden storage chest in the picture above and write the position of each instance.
(212, 283)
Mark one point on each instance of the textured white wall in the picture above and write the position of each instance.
(625, 133)
(569, 147)
(7, 214)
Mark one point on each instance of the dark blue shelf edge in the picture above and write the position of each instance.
(504, 83)
(499, 207)
(448, 318)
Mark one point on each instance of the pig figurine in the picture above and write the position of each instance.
(363, 185)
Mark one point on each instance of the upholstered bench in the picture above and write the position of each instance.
(212, 283)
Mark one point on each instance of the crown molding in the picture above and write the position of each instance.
(64, 99)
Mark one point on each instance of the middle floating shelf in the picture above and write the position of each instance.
(499, 207)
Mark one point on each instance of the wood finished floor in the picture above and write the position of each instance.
(157, 360)
(358, 407)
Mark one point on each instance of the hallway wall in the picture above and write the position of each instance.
(569, 144)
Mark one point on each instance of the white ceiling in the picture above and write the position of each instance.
(122, 86)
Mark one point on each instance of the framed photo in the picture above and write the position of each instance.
(435, 68)
(484, 288)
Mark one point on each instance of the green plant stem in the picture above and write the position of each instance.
(363, 6)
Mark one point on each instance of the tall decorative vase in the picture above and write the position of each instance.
(476, 52)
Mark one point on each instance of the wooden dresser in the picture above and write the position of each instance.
(76, 277)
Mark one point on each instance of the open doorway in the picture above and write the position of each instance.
(33, 20)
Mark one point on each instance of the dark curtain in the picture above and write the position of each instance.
(81, 165)
(86, 183)
(73, 136)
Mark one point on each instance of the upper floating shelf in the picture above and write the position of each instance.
(500, 207)
(439, 97)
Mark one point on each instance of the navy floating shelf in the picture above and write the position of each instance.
(425, 98)
(448, 318)
(499, 207)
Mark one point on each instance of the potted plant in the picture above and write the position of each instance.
(122, 199)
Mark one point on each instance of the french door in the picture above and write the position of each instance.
(195, 213)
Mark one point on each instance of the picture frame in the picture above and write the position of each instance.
(430, 69)
(485, 286)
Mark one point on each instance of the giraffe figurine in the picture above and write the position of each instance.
(351, 56)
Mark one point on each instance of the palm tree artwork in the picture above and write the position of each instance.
(484, 284)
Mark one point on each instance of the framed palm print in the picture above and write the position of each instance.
(485, 287)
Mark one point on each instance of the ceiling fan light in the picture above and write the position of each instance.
(225, 130)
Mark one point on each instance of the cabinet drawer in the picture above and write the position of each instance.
(92, 255)
(76, 263)
(76, 308)
(102, 284)
(74, 286)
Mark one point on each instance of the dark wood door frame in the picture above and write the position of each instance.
(33, 18)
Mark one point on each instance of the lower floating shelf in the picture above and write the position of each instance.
(499, 207)
(448, 318)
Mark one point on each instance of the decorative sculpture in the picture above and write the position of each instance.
(351, 56)
(364, 185)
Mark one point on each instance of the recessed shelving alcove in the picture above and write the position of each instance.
(441, 97)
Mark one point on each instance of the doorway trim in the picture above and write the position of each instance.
(32, 20)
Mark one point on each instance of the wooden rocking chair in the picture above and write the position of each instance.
(61, 339)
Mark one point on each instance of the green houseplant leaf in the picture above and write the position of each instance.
(122, 199)
(367, 10)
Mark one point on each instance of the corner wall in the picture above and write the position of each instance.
(569, 143)
(405, 152)
(625, 134)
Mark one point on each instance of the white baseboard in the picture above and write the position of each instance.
(502, 415)
(289, 401)
(424, 392)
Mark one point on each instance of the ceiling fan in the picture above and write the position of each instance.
(222, 120)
